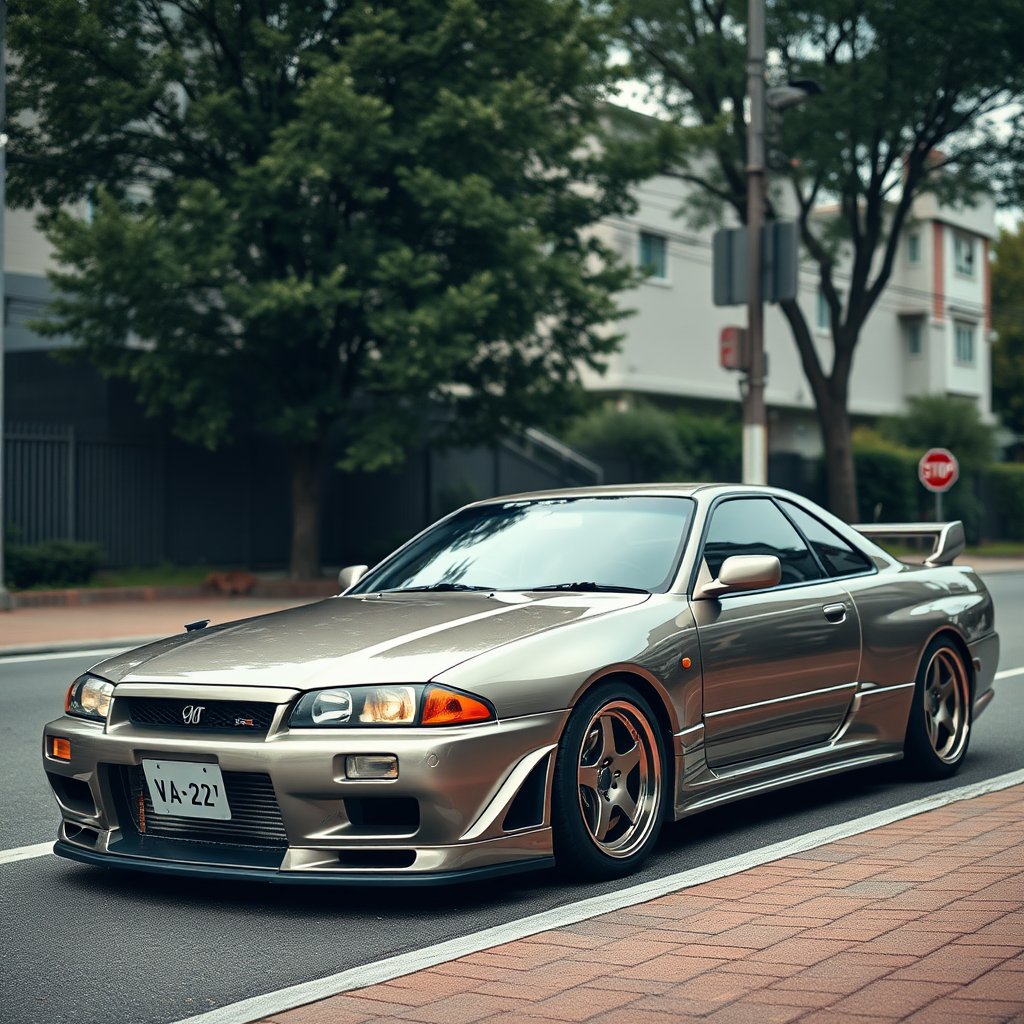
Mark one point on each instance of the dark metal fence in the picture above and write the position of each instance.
(57, 486)
(162, 500)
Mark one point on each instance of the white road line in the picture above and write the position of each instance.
(254, 1009)
(26, 852)
(1007, 673)
(88, 652)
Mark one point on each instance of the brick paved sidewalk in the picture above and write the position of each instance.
(921, 920)
(95, 623)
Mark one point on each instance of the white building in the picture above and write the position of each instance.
(928, 333)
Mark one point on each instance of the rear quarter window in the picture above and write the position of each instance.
(838, 556)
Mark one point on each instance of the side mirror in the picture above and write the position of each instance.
(350, 576)
(742, 572)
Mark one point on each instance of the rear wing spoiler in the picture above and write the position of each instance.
(948, 537)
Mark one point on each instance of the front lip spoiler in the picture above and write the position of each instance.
(274, 877)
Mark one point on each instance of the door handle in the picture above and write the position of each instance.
(835, 612)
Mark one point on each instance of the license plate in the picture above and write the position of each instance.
(187, 789)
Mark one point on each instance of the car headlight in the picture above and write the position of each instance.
(360, 706)
(89, 697)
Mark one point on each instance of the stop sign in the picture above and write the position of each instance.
(938, 469)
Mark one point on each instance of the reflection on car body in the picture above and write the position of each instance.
(539, 678)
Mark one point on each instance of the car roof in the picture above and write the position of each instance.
(675, 490)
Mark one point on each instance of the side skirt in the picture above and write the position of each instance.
(725, 794)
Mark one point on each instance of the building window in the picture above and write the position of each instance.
(824, 317)
(653, 255)
(914, 339)
(914, 248)
(964, 343)
(963, 255)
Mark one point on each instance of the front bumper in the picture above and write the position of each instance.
(241, 874)
(468, 784)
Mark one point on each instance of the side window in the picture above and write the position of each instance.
(839, 557)
(755, 526)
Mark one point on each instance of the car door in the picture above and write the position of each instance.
(779, 665)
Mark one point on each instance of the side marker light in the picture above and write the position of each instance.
(60, 748)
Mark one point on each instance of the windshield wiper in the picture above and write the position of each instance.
(592, 587)
(442, 587)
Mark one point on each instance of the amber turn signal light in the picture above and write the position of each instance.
(446, 707)
(60, 748)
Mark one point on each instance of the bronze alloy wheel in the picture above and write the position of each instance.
(946, 695)
(609, 787)
(939, 728)
(619, 779)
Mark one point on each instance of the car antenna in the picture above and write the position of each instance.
(198, 624)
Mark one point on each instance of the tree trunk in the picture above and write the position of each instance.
(842, 481)
(306, 473)
(830, 398)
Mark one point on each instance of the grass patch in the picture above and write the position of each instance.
(165, 575)
(998, 549)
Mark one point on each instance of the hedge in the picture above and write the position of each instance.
(888, 490)
(1006, 485)
(54, 563)
(887, 485)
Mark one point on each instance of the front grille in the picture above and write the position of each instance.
(255, 817)
(195, 714)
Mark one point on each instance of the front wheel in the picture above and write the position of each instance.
(608, 792)
(939, 727)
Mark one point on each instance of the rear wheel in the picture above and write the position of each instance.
(609, 786)
(939, 728)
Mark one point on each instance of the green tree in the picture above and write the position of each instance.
(323, 212)
(1008, 322)
(911, 93)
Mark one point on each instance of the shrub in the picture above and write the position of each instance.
(652, 444)
(713, 445)
(1006, 485)
(54, 563)
(645, 438)
(943, 421)
(887, 485)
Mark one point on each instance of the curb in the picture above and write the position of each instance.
(85, 646)
(109, 595)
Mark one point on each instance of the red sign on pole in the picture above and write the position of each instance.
(732, 348)
(938, 469)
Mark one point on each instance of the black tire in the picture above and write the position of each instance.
(608, 794)
(939, 727)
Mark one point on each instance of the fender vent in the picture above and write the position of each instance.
(527, 809)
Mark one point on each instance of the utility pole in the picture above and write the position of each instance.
(5, 598)
(755, 431)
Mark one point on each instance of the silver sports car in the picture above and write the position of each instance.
(536, 678)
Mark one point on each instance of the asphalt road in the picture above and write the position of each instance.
(95, 946)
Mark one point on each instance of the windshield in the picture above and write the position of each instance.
(627, 543)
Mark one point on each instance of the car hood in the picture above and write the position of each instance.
(393, 638)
